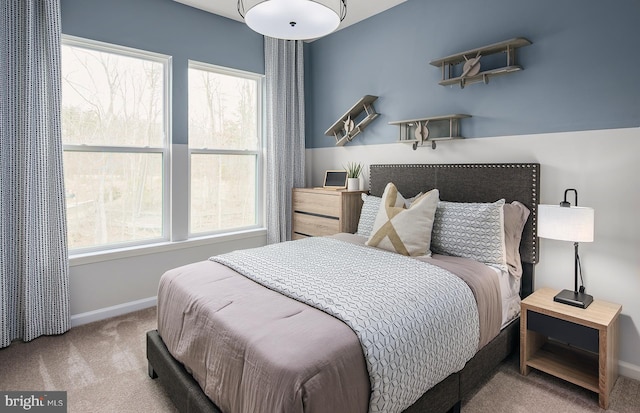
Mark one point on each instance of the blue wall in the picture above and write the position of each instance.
(171, 28)
(581, 72)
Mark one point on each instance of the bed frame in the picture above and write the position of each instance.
(456, 183)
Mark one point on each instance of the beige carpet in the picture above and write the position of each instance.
(507, 391)
(103, 368)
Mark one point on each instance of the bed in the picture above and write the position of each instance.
(456, 183)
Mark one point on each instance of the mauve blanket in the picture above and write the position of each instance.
(254, 350)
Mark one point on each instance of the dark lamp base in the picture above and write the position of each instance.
(573, 298)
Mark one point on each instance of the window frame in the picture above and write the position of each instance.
(259, 152)
(165, 150)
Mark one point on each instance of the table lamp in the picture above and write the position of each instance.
(568, 223)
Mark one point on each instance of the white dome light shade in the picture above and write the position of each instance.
(292, 19)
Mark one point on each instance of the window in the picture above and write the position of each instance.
(225, 148)
(118, 162)
(115, 136)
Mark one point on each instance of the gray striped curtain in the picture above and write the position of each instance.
(284, 71)
(34, 272)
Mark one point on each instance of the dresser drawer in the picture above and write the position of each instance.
(313, 225)
(296, 236)
(320, 203)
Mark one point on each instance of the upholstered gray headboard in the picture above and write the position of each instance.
(470, 183)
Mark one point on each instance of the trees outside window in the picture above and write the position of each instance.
(117, 157)
(225, 148)
(114, 131)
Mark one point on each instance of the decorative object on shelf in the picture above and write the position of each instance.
(293, 19)
(471, 69)
(353, 176)
(421, 132)
(566, 223)
(346, 128)
(348, 125)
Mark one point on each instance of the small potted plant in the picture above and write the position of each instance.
(353, 176)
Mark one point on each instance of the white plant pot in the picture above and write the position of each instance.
(353, 184)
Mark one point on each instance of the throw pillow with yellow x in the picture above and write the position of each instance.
(402, 230)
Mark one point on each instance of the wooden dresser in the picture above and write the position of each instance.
(318, 212)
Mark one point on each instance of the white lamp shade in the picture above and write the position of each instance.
(565, 223)
(292, 19)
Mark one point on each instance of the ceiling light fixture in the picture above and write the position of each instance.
(293, 19)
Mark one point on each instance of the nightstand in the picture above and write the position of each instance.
(318, 212)
(574, 344)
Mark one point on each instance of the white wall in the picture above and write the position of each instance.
(115, 284)
(603, 165)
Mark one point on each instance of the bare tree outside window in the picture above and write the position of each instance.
(113, 129)
(116, 136)
(224, 142)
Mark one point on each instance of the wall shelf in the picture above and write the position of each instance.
(474, 56)
(345, 129)
(416, 131)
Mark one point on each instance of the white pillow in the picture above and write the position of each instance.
(402, 230)
(471, 230)
(369, 212)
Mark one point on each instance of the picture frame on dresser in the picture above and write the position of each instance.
(335, 179)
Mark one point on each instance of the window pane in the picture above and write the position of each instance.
(109, 99)
(222, 111)
(112, 197)
(223, 192)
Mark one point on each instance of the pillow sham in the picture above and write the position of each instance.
(369, 212)
(471, 230)
(402, 230)
(515, 217)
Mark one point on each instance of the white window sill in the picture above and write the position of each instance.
(94, 257)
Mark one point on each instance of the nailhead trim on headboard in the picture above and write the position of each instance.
(512, 181)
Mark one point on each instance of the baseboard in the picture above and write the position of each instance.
(114, 311)
(629, 370)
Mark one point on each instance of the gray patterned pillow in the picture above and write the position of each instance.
(471, 230)
(368, 214)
